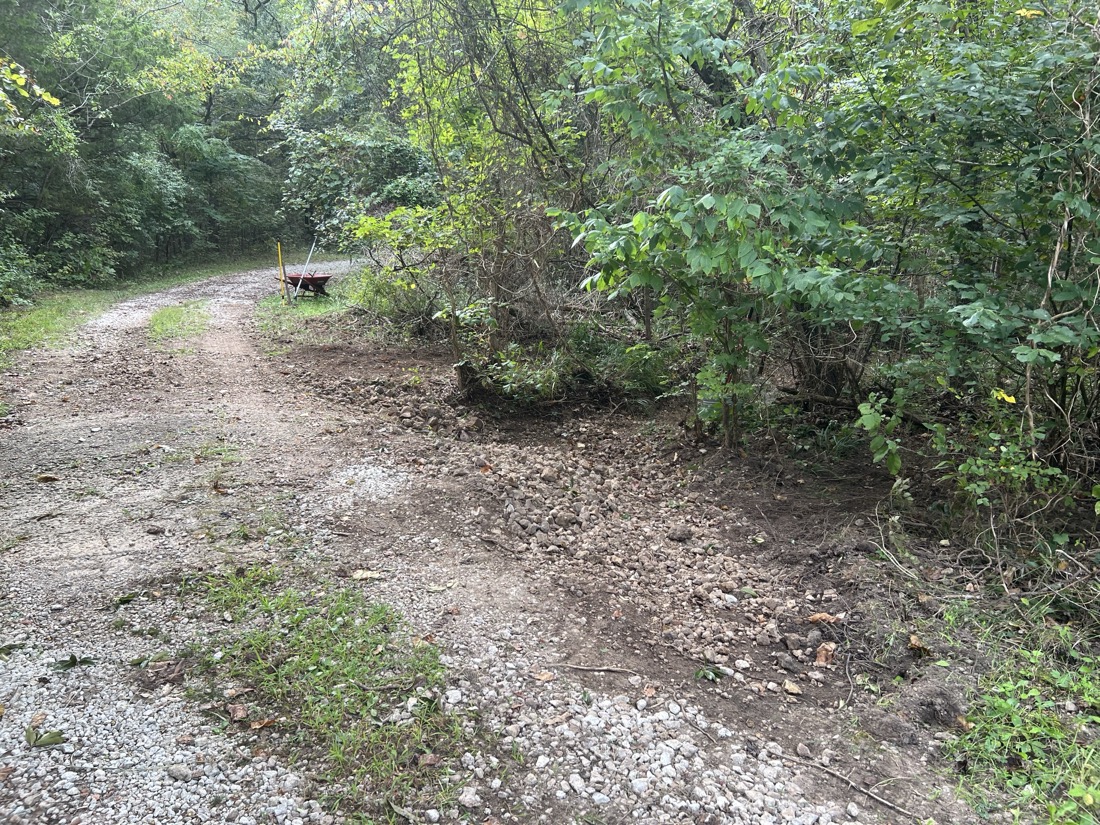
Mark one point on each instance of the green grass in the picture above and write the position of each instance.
(1033, 734)
(349, 685)
(286, 324)
(53, 316)
(185, 320)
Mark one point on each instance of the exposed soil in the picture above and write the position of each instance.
(612, 545)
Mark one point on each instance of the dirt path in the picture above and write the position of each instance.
(576, 575)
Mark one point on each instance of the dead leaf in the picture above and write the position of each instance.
(237, 712)
(545, 676)
(917, 646)
(791, 688)
(560, 720)
(823, 618)
(649, 691)
(439, 588)
(427, 760)
(186, 739)
(826, 652)
(486, 468)
(233, 693)
(452, 610)
(45, 478)
(37, 719)
(256, 724)
(6, 771)
(1, 711)
(617, 614)
(367, 575)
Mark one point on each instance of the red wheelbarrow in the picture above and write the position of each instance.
(307, 282)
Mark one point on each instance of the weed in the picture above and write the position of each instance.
(235, 591)
(710, 673)
(185, 320)
(9, 543)
(362, 693)
(217, 451)
(517, 754)
(241, 533)
(1029, 732)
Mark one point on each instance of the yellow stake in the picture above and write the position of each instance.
(282, 272)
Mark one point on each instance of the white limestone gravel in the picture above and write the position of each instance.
(128, 758)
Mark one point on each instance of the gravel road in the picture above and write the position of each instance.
(129, 464)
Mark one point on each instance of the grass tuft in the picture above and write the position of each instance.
(185, 320)
(348, 683)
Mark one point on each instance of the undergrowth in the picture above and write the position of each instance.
(284, 325)
(348, 684)
(1033, 731)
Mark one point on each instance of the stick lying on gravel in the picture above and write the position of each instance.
(855, 787)
(595, 669)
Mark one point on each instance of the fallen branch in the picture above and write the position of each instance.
(886, 802)
(591, 669)
(793, 395)
(703, 731)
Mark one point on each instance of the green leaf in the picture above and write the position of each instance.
(863, 26)
(53, 737)
(73, 661)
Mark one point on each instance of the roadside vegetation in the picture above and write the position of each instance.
(286, 325)
(872, 226)
(345, 683)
